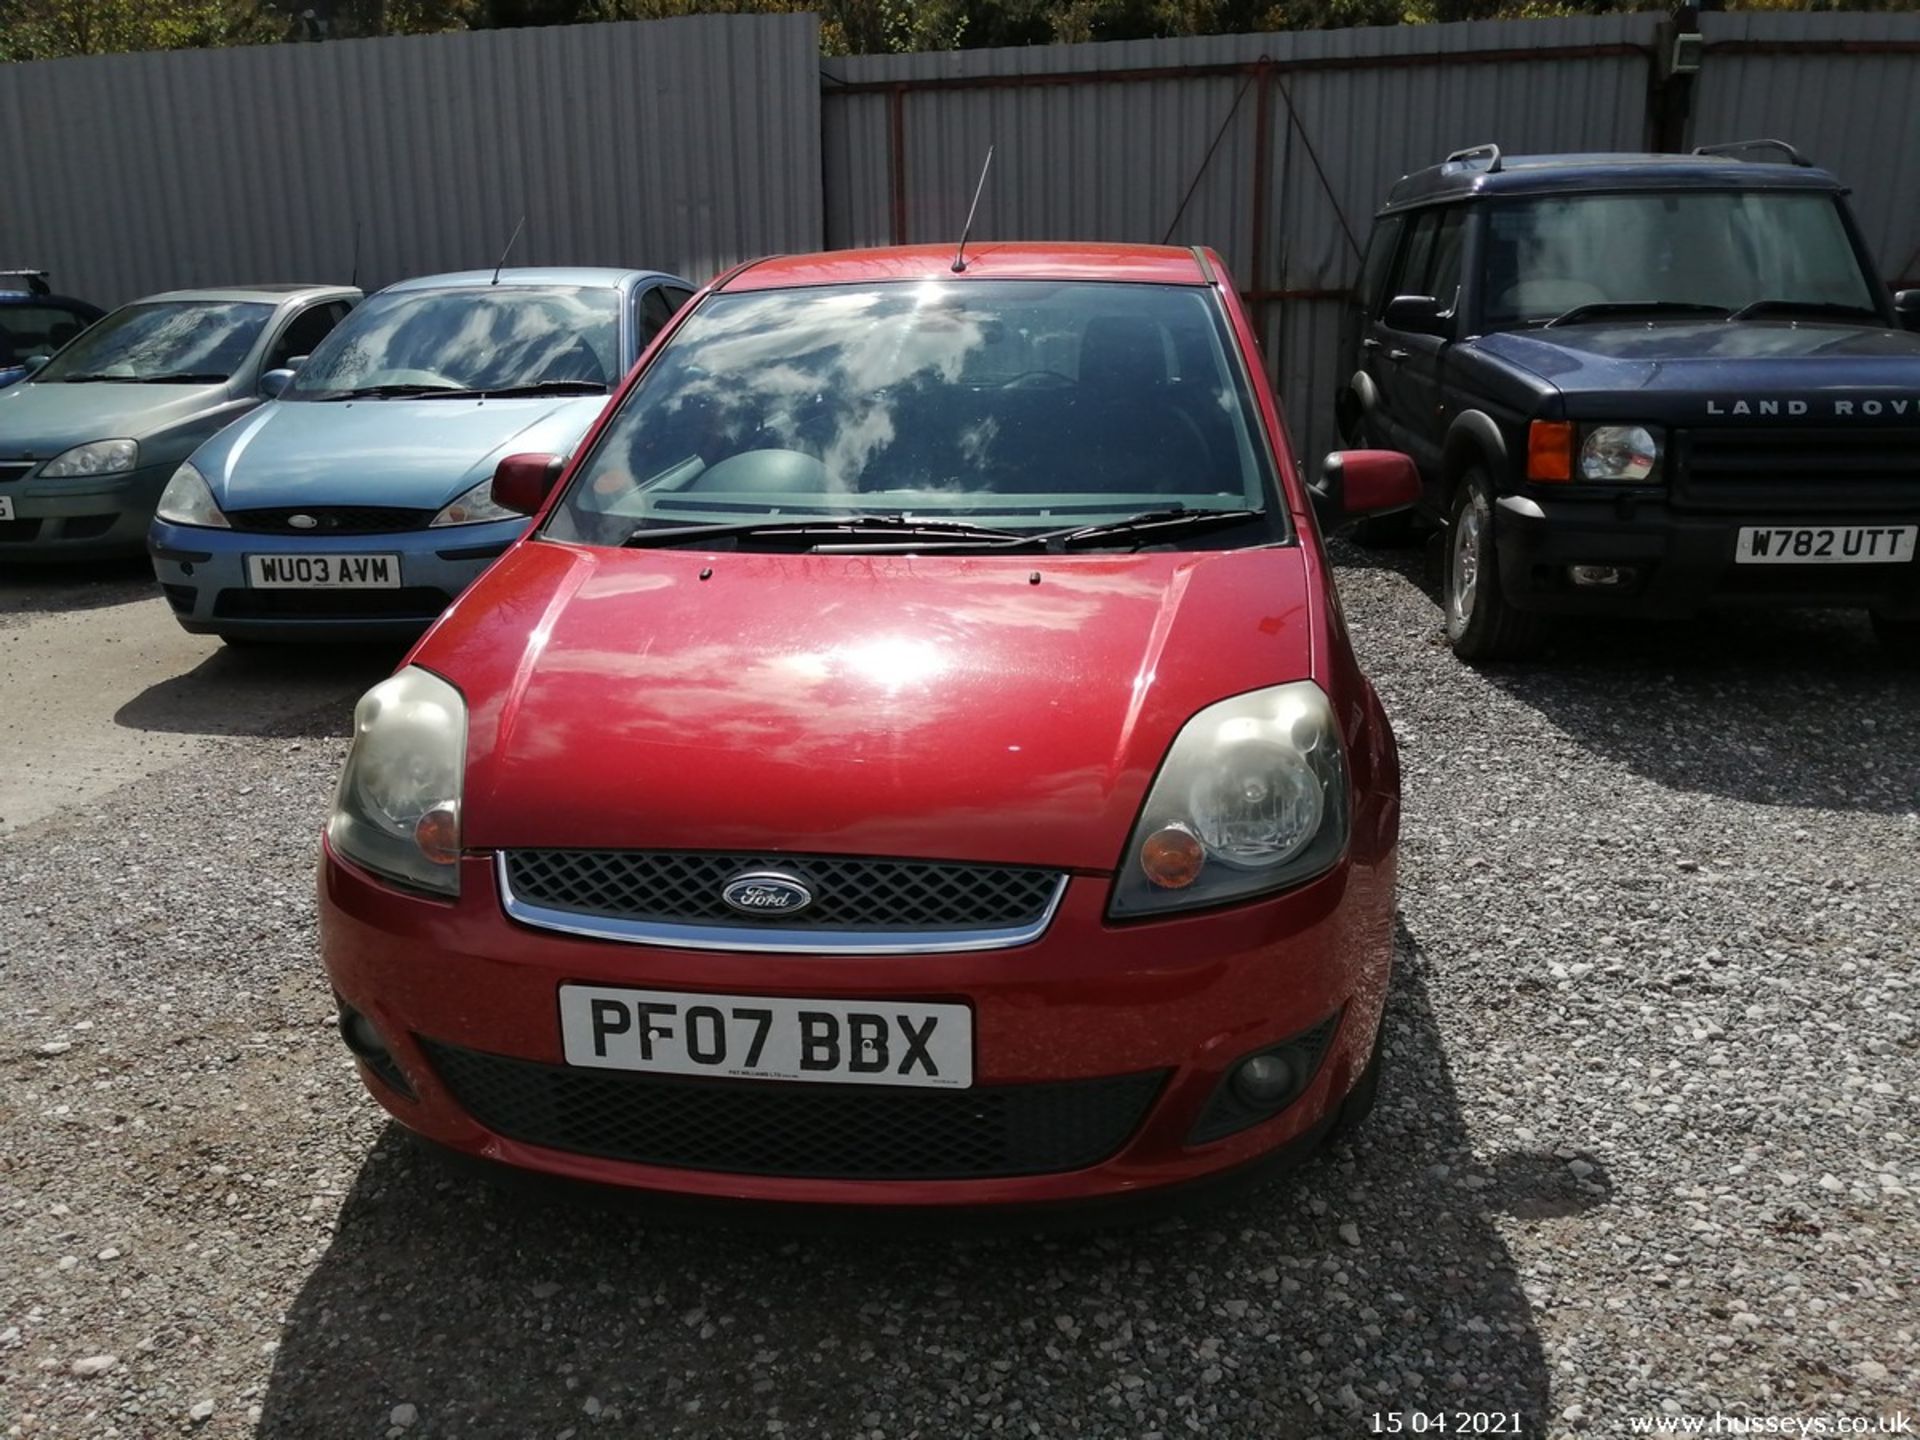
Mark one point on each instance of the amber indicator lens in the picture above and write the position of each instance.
(438, 835)
(1550, 450)
(1172, 857)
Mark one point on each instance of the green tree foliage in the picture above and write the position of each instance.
(40, 29)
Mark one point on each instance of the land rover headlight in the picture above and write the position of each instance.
(188, 500)
(1619, 452)
(397, 811)
(96, 457)
(1252, 798)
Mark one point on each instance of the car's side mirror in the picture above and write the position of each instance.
(1906, 305)
(274, 382)
(522, 483)
(1353, 483)
(33, 365)
(1415, 315)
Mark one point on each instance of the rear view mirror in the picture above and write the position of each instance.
(1414, 315)
(522, 483)
(1353, 483)
(1906, 304)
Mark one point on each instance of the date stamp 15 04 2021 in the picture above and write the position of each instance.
(1445, 1422)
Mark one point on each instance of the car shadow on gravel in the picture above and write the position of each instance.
(1373, 1280)
(263, 690)
(1771, 707)
(28, 590)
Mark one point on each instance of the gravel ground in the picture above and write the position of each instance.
(1646, 1141)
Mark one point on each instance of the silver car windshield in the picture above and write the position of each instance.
(162, 342)
(1016, 404)
(466, 340)
(1704, 250)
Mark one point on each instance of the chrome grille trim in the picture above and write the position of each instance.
(771, 939)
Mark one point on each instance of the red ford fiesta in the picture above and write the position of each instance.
(915, 759)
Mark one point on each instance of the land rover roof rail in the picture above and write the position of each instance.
(1741, 147)
(33, 282)
(1474, 157)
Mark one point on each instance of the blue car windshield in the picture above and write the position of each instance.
(162, 342)
(1018, 404)
(462, 341)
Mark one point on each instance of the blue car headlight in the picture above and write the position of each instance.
(188, 500)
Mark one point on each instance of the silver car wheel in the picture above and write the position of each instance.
(1465, 564)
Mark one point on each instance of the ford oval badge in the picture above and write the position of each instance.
(302, 522)
(767, 892)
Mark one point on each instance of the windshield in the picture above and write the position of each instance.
(1014, 404)
(1727, 250)
(181, 341)
(489, 338)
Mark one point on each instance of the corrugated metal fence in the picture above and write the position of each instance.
(682, 145)
(694, 143)
(1276, 149)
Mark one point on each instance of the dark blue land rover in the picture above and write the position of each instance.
(1637, 384)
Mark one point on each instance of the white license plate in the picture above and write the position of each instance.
(6, 507)
(834, 1042)
(1824, 544)
(323, 572)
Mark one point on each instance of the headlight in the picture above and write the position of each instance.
(1619, 452)
(397, 810)
(97, 457)
(1252, 798)
(188, 500)
(476, 507)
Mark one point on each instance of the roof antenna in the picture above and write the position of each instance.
(354, 278)
(960, 254)
(508, 251)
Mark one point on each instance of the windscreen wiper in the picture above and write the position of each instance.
(545, 387)
(185, 377)
(1596, 309)
(1804, 307)
(1149, 526)
(396, 392)
(828, 528)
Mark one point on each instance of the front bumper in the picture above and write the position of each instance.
(1681, 561)
(203, 573)
(85, 518)
(1180, 999)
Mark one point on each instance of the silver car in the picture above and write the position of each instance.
(88, 441)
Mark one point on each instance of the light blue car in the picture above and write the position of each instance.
(355, 505)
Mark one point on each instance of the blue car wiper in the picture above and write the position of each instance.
(545, 387)
(396, 392)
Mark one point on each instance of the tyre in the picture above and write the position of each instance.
(1899, 639)
(1481, 624)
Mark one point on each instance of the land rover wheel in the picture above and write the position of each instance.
(1481, 624)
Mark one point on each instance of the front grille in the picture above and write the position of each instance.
(682, 887)
(330, 520)
(1783, 469)
(411, 602)
(839, 1132)
(14, 469)
(19, 529)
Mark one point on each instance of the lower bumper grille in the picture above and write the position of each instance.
(411, 602)
(799, 1130)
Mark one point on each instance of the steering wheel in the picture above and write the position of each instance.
(1037, 380)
